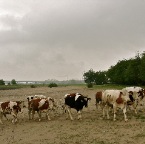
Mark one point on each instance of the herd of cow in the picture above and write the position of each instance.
(106, 100)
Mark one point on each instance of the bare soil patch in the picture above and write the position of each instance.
(91, 130)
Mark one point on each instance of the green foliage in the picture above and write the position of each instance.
(100, 78)
(89, 77)
(125, 72)
(13, 82)
(142, 69)
(2, 82)
(9, 87)
(129, 72)
(52, 85)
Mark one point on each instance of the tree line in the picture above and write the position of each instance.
(13, 82)
(125, 72)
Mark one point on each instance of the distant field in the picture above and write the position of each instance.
(106, 86)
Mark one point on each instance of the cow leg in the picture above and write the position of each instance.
(124, 112)
(69, 113)
(103, 112)
(1, 115)
(47, 115)
(79, 115)
(114, 109)
(14, 117)
(39, 114)
(33, 112)
(5, 115)
(29, 113)
(108, 108)
(135, 106)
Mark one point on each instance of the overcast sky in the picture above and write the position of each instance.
(62, 39)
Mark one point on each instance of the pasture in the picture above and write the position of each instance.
(92, 129)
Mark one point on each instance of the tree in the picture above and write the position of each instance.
(100, 78)
(89, 77)
(13, 82)
(2, 82)
(142, 69)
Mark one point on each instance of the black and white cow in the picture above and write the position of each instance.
(76, 101)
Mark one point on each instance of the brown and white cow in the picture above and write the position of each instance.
(76, 101)
(40, 105)
(10, 107)
(114, 99)
(136, 96)
(20, 104)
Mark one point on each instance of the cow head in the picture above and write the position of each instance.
(141, 94)
(52, 103)
(29, 98)
(16, 108)
(85, 101)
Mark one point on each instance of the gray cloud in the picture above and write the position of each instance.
(59, 39)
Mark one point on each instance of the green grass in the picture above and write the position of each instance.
(7, 87)
(18, 86)
(109, 86)
(98, 87)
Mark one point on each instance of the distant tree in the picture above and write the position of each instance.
(2, 82)
(126, 72)
(89, 77)
(117, 73)
(142, 69)
(100, 78)
(13, 82)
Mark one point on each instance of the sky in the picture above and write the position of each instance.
(62, 39)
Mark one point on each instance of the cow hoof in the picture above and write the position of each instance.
(39, 119)
(114, 119)
(126, 120)
(13, 122)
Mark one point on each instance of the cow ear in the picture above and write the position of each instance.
(88, 98)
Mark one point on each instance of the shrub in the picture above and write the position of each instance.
(89, 85)
(33, 86)
(52, 85)
(13, 82)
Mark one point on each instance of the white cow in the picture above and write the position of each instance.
(114, 99)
